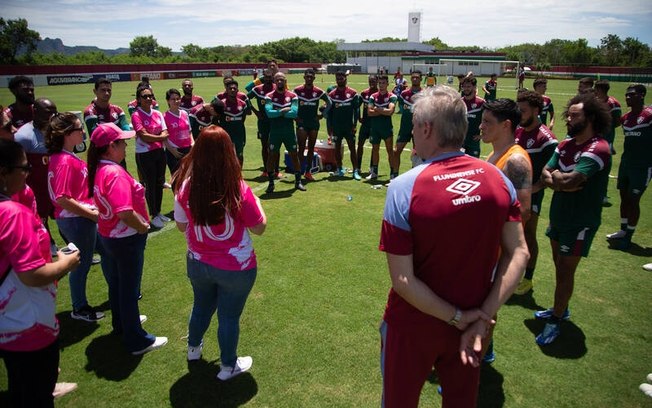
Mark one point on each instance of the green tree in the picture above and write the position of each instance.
(438, 44)
(15, 36)
(148, 47)
(635, 53)
(611, 49)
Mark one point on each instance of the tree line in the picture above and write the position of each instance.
(18, 46)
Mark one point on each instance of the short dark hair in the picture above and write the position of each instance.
(471, 79)
(587, 81)
(170, 92)
(539, 81)
(602, 85)
(232, 82)
(638, 88)
(381, 77)
(218, 106)
(18, 80)
(101, 81)
(504, 109)
(597, 112)
(310, 71)
(10, 152)
(532, 98)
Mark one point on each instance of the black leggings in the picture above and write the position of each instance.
(32, 375)
(151, 167)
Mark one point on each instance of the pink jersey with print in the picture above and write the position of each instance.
(116, 191)
(24, 245)
(189, 102)
(432, 212)
(153, 123)
(178, 129)
(226, 246)
(68, 177)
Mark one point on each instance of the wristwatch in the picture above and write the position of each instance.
(456, 319)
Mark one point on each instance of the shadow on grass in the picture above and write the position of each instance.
(73, 331)
(634, 249)
(571, 343)
(490, 392)
(201, 388)
(108, 359)
(527, 301)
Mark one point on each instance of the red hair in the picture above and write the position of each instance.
(213, 171)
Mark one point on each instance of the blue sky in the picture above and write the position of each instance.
(209, 23)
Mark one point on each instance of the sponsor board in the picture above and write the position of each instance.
(70, 79)
(203, 74)
(113, 77)
(153, 76)
(175, 75)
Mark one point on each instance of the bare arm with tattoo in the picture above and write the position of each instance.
(519, 171)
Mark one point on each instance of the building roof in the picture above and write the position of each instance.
(402, 46)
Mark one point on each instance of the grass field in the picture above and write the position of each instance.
(311, 322)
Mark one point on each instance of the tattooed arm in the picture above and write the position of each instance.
(519, 171)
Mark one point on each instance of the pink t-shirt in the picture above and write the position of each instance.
(226, 246)
(178, 129)
(116, 191)
(27, 314)
(68, 177)
(153, 123)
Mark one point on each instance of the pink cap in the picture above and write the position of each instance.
(106, 133)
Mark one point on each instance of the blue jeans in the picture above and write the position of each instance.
(122, 263)
(225, 291)
(83, 233)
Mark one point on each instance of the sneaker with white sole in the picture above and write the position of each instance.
(647, 389)
(194, 353)
(547, 314)
(87, 314)
(549, 334)
(371, 176)
(63, 388)
(242, 364)
(164, 218)
(143, 318)
(616, 235)
(158, 343)
(156, 222)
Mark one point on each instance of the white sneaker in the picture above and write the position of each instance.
(164, 218)
(647, 389)
(242, 364)
(616, 235)
(156, 222)
(158, 343)
(648, 267)
(371, 176)
(194, 353)
(143, 319)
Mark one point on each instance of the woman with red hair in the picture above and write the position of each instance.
(216, 209)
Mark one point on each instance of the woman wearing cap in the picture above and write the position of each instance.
(151, 133)
(122, 225)
(74, 209)
(28, 325)
(217, 209)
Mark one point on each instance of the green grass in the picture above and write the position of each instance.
(311, 322)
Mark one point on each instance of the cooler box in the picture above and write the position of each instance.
(314, 168)
(327, 154)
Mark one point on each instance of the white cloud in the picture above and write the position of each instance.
(207, 23)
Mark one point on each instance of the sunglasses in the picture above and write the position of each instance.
(148, 96)
(26, 168)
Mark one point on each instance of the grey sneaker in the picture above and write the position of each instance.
(242, 364)
(87, 314)
(194, 353)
